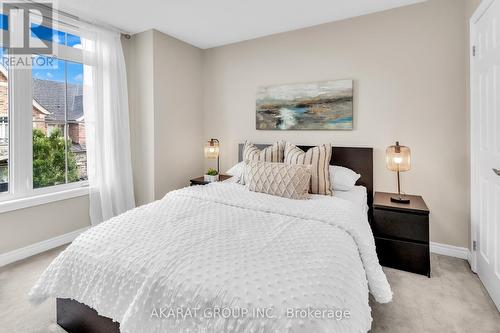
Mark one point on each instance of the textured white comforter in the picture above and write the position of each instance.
(219, 245)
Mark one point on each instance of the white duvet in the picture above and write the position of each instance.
(220, 246)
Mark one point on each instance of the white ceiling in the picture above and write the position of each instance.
(210, 23)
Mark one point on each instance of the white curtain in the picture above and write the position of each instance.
(105, 103)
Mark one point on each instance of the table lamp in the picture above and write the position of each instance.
(212, 151)
(397, 158)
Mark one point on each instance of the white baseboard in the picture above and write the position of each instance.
(450, 250)
(30, 250)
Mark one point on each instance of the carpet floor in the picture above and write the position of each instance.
(452, 300)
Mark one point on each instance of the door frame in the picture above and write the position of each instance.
(474, 184)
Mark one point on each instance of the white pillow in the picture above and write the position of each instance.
(236, 170)
(342, 179)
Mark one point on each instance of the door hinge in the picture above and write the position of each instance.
(474, 50)
(474, 246)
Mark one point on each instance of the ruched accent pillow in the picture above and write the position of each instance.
(288, 181)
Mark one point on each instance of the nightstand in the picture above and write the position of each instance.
(402, 233)
(201, 181)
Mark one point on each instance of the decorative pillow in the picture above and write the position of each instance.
(288, 181)
(319, 158)
(343, 179)
(273, 153)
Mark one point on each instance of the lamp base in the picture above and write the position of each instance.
(400, 199)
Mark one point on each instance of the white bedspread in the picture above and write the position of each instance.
(222, 246)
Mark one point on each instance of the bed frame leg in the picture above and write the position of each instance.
(76, 317)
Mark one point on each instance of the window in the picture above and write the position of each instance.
(42, 129)
(59, 155)
(4, 22)
(60, 37)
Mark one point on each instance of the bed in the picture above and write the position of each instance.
(269, 262)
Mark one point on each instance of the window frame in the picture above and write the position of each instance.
(21, 193)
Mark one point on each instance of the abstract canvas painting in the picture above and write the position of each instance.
(323, 105)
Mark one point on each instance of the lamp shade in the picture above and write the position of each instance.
(398, 158)
(212, 149)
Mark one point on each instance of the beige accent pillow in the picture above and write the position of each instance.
(288, 181)
(273, 153)
(319, 158)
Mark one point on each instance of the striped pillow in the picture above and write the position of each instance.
(272, 153)
(319, 157)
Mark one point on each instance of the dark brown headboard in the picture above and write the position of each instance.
(358, 159)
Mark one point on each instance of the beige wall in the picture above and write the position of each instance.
(138, 52)
(409, 68)
(165, 96)
(178, 117)
(27, 226)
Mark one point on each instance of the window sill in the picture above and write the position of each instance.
(42, 198)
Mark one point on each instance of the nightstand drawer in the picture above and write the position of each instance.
(403, 255)
(400, 225)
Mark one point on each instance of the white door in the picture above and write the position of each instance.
(485, 145)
